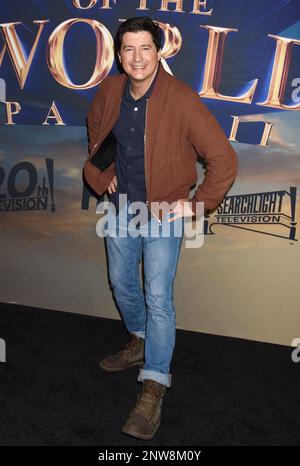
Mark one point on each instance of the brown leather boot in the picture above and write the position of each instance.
(144, 419)
(131, 355)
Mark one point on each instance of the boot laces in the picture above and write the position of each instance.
(147, 402)
(130, 348)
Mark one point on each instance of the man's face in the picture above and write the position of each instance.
(138, 56)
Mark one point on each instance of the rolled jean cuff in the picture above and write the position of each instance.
(164, 379)
(139, 334)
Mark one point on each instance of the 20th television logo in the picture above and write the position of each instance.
(32, 195)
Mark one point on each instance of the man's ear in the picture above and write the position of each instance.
(159, 54)
(119, 57)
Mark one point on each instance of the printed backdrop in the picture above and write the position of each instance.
(243, 59)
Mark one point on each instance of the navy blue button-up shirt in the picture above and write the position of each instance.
(129, 132)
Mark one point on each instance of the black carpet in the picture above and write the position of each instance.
(225, 391)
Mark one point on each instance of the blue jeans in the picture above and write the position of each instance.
(149, 314)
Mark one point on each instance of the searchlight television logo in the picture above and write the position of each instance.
(270, 213)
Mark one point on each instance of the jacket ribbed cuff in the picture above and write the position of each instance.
(97, 179)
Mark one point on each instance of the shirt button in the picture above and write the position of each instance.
(131, 129)
(135, 109)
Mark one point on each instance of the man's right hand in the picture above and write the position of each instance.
(113, 185)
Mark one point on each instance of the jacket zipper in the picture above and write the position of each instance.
(92, 152)
(105, 134)
(103, 137)
(145, 164)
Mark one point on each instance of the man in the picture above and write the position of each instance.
(147, 128)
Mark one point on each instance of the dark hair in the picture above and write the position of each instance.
(136, 24)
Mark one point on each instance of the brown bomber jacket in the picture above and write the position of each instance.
(178, 127)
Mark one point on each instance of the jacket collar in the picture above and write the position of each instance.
(162, 81)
